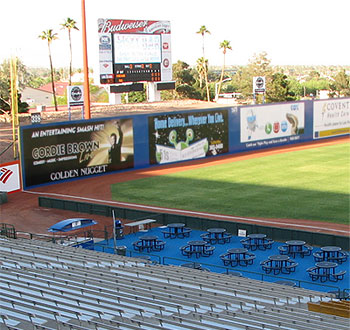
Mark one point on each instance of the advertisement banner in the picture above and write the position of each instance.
(331, 118)
(277, 123)
(186, 136)
(57, 152)
(10, 179)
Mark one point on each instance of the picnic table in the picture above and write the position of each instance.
(295, 247)
(216, 235)
(237, 256)
(197, 248)
(149, 243)
(176, 230)
(278, 264)
(325, 271)
(331, 253)
(257, 241)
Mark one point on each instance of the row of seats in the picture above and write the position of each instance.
(339, 308)
(48, 286)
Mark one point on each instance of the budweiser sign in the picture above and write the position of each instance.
(132, 26)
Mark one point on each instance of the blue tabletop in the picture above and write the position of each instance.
(197, 243)
(237, 250)
(330, 248)
(216, 230)
(326, 264)
(295, 242)
(148, 237)
(254, 236)
(176, 225)
(279, 257)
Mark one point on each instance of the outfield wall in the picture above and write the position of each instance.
(71, 150)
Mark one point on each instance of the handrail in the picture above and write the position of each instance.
(261, 275)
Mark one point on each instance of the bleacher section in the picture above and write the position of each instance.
(51, 286)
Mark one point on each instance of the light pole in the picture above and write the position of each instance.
(216, 88)
(87, 113)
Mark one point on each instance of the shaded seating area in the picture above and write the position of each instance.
(294, 248)
(49, 286)
(325, 271)
(197, 248)
(237, 256)
(216, 235)
(149, 243)
(176, 230)
(257, 242)
(331, 253)
(278, 264)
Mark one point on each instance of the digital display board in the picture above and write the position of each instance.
(137, 48)
(134, 51)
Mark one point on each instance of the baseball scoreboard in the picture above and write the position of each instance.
(134, 51)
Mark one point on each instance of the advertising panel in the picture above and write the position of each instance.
(276, 123)
(185, 136)
(331, 118)
(134, 51)
(10, 180)
(53, 153)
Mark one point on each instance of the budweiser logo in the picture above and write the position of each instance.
(107, 26)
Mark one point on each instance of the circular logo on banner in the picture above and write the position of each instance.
(105, 40)
(166, 62)
(76, 93)
(268, 128)
(259, 82)
(284, 126)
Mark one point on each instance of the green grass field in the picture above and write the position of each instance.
(309, 184)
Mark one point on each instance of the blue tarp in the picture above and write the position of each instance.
(71, 224)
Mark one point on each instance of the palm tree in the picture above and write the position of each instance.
(69, 24)
(203, 30)
(225, 45)
(50, 36)
(200, 70)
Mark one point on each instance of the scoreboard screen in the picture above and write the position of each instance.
(137, 48)
(134, 51)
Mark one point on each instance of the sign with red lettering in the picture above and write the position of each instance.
(134, 51)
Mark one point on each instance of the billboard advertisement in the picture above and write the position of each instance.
(10, 178)
(134, 51)
(185, 136)
(272, 124)
(331, 118)
(52, 153)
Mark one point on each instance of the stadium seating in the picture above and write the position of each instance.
(51, 286)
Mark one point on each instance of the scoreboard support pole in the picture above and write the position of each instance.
(114, 98)
(153, 95)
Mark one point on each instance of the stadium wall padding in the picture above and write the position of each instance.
(72, 150)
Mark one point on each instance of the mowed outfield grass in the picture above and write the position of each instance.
(311, 184)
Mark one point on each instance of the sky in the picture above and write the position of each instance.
(297, 32)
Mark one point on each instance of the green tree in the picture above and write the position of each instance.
(185, 81)
(341, 84)
(49, 35)
(202, 31)
(278, 89)
(225, 45)
(5, 96)
(70, 24)
(259, 65)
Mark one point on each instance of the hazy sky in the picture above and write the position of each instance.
(291, 32)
